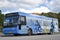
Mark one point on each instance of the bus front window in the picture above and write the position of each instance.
(11, 21)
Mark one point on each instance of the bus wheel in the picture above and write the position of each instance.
(16, 34)
(49, 33)
(29, 32)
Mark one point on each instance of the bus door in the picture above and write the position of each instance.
(22, 21)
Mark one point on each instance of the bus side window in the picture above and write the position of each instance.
(22, 20)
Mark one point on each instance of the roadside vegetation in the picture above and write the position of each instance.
(1, 20)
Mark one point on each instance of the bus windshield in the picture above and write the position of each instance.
(10, 20)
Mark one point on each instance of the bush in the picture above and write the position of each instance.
(0, 28)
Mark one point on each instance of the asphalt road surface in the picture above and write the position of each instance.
(33, 37)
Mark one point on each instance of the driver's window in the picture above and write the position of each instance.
(22, 20)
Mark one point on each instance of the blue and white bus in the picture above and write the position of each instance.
(25, 23)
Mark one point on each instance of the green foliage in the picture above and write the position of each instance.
(1, 19)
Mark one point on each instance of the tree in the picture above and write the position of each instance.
(1, 18)
(58, 16)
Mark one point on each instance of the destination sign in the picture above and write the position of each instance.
(12, 14)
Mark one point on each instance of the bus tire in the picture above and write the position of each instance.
(29, 32)
(49, 33)
(16, 34)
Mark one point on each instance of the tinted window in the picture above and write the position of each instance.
(22, 20)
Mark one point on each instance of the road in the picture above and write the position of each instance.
(33, 37)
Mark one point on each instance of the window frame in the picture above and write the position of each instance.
(23, 23)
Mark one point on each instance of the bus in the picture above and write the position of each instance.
(24, 23)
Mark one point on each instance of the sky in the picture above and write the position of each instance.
(29, 6)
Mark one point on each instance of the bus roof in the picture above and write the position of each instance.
(36, 16)
(33, 15)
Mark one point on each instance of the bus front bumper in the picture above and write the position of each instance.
(9, 30)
